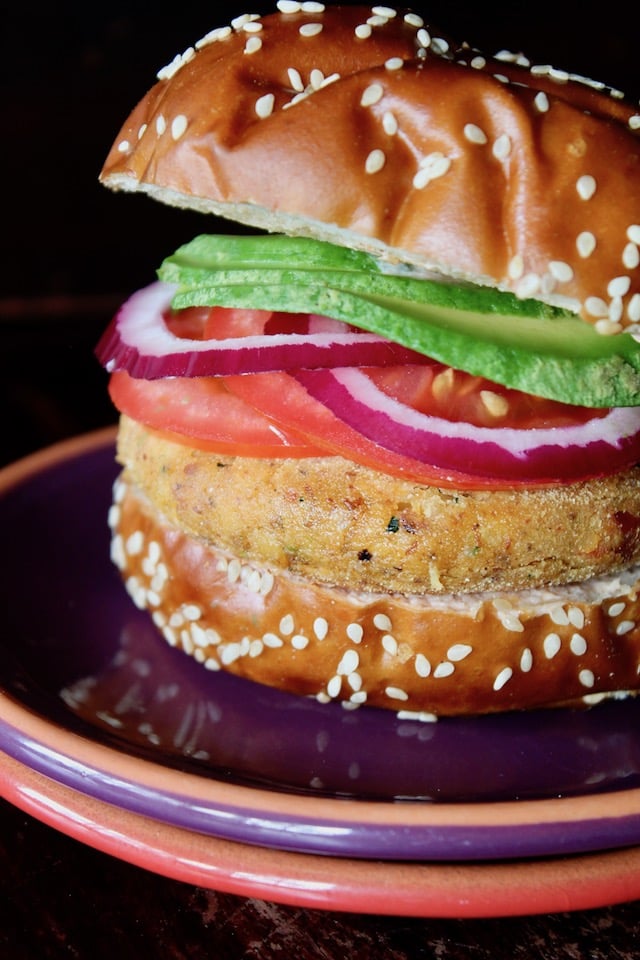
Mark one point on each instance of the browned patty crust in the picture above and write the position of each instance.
(338, 523)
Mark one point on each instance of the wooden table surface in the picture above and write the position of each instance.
(61, 899)
(69, 77)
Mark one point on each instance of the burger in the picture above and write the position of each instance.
(379, 442)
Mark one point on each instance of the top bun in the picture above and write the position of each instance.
(367, 127)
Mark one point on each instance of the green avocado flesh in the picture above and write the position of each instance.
(523, 344)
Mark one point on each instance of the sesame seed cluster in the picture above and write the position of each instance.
(487, 168)
(537, 648)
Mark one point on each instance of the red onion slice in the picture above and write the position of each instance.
(139, 341)
(600, 445)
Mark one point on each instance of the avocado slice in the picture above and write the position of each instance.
(523, 344)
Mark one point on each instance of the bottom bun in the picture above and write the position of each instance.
(431, 656)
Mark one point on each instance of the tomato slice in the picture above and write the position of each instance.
(204, 411)
(273, 415)
(280, 397)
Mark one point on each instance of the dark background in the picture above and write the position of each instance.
(71, 250)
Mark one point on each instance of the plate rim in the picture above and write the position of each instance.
(434, 890)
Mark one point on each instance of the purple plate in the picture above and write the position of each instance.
(95, 699)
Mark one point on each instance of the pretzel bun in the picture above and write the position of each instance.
(398, 137)
(368, 128)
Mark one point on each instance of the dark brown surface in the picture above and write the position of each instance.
(68, 253)
(61, 899)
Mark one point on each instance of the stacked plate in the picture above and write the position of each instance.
(126, 744)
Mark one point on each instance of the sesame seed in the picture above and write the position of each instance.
(625, 626)
(199, 636)
(360, 696)
(619, 286)
(395, 693)
(616, 609)
(551, 645)
(607, 328)
(272, 641)
(316, 79)
(349, 663)
(424, 38)
(375, 161)
(311, 6)
(191, 611)
(440, 46)
(560, 616)
(220, 33)
(503, 677)
(633, 308)
(586, 186)
(178, 126)
(422, 665)
(631, 256)
(363, 31)
(413, 20)
(388, 12)
(234, 570)
(382, 621)
(586, 678)
(264, 105)
(320, 628)
(159, 578)
(288, 6)
(633, 233)
(310, 29)
(474, 133)
(561, 271)
(526, 660)
(528, 286)
(266, 583)
(634, 122)
(576, 617)
(459, 651)
(389, 123)
(390, 644)
(334, 686)
(252, 26)
(287, 625)
(596, 307)
(394, 63)
(478, 63)
(432, 166)
(134, 543)
(444, 669)
(502, 147)
(253, 44)
(295, 79)
(372, 94)
(256, 649)
(585, 244)
(124, 146)
(355, 632)
(299, 641)
(578, 645)
(355, 681)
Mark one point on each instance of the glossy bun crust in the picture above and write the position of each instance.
(331, 621)
(376, 131)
